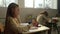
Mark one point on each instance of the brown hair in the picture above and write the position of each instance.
(45, 13)
(9, 11)
(34, 19)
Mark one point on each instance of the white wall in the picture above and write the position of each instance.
(2, 14)
(21, 3)
(26, 11)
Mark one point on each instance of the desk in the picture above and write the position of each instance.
(39, 29)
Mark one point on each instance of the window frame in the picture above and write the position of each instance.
(5, 3)
(52, 6)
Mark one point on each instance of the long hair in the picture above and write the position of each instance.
(9, 11)
(45, 13)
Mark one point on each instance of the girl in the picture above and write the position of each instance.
(34, 23)
(12, 23)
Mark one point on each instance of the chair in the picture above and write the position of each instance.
(54, 25)
(1, 28)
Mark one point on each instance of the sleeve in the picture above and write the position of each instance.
(46, 18)
(14, 26)
(39, 18)
(19, 19)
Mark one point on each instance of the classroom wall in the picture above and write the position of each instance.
(26, 11)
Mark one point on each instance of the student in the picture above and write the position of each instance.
(12, 23)
(34, 22)
(42, 18)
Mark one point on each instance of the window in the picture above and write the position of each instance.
(48, 3)
(52, 4)
(10, 1)
(39, 4)
(29, 3)
(5, 3)
(1, 3)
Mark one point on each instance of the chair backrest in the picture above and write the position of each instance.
(1, 27)
(0, 31)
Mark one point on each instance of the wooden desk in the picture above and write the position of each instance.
(39, 29)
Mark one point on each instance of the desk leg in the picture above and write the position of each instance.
(27, 33)
(46, 32)
(24, 33)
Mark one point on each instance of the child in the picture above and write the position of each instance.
(12, 23)
(34, 22)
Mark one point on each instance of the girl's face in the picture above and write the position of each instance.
(16, 11)
(33, 21)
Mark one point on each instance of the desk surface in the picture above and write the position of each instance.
(38, 29)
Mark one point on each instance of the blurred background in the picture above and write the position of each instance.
(31, 7)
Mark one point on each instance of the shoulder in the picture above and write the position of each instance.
(10, 18)
(40, 16)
